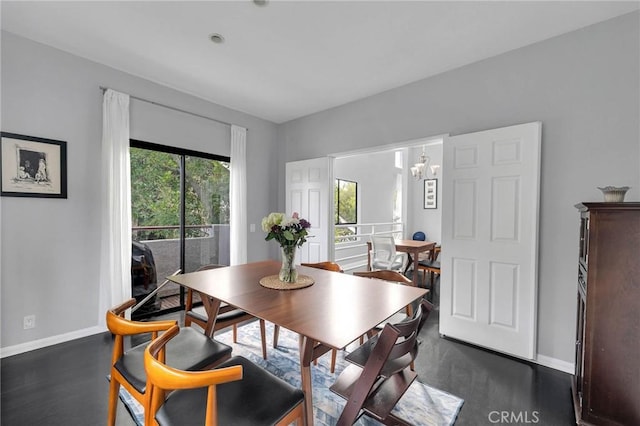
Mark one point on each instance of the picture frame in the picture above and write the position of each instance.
(32, 167)
(431, 193)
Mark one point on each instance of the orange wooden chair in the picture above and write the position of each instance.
(192, 351)
(328, 266)
(237, 392)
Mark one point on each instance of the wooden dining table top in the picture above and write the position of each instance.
(337, 309)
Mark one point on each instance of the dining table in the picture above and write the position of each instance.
(413, 248)
(330, 313)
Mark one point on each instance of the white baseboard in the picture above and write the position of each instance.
(49, 341)
(556, 364)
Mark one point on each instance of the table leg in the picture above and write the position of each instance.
(413, 258)
(211, 306)
(306, 357)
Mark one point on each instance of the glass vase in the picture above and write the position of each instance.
(288, 273)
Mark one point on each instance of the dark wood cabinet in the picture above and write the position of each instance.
(606, 385)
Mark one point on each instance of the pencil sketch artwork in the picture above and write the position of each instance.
(33, 167)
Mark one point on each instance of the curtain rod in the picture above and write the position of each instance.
(173, 108)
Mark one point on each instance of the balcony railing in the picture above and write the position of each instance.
(204, 244)
(351, 247)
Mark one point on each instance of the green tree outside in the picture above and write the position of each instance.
(155, 192)
(345, 206)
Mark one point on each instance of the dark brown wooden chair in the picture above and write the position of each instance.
(228, 316)
(432, 267)
(192, 351)
(327, 266)
(237, 392)
(374, 387)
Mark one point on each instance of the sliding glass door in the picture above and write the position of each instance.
(180, 220)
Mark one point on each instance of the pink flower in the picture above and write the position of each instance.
(295, 215)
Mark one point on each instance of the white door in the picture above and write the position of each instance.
(488, 288)
(308, 193)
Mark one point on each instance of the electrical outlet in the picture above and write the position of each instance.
(29, 322)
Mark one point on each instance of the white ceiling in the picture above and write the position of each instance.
(292, 58)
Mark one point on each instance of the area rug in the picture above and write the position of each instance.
(421, 405)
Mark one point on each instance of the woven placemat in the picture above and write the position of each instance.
(272, 281)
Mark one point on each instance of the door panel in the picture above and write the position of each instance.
(489, 238)
(464, 285)
(308, 193)
(464, 194)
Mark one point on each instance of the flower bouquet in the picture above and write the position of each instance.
(290, 233)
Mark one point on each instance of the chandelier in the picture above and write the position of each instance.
(418, 170)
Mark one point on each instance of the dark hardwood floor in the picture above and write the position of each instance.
(66, 384)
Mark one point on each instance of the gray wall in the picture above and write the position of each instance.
(50, 247)
(582, 86)
(376, 176)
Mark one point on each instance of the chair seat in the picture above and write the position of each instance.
(396, 264)
(260, 398)
(233, 314)
(360, 355)
(434, 264)
(190, 350)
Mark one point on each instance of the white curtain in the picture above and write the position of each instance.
(238, 195)
(115, 256)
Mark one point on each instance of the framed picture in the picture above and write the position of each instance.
(431, 193)
(32, 167)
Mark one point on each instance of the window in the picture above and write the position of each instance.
(346, 202)
(345, 210)
(180, 219)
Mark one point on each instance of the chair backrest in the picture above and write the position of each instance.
(386, 275)
(162, 378)
(209, 266)
(383, 247)
(120, 326)
(437, 253)
(426, 307)
(405, 349)
(419, 236)
(328, 266)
